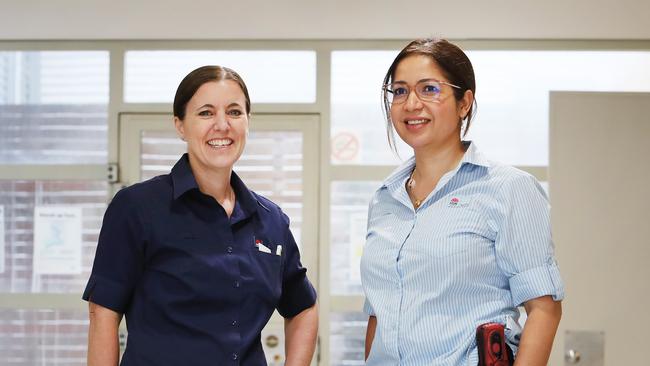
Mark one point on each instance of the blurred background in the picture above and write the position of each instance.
(86, 89)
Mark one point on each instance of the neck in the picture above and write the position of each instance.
(434, 161)
(215, 183)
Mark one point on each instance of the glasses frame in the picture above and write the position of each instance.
(386, 90)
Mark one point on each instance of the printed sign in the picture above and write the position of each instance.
(345, 147)
(57, 240)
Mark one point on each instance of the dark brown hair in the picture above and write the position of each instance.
(193, 81)
(454, 64)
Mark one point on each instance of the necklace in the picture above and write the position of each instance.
(410, 184)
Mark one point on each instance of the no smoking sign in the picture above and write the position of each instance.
(345, 146)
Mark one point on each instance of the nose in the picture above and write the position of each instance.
(412, 102)
(221, 122)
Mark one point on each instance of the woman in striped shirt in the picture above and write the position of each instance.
(454, 240)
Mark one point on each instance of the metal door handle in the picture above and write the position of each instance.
(572, 356)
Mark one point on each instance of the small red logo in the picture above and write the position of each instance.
(454, 201)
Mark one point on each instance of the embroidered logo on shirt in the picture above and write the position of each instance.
(457, 202)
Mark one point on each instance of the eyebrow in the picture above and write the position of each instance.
(212, 106)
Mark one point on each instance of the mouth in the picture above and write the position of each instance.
(414, 122)
(220, 143)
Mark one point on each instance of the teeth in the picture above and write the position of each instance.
(220, 142)
(416, 121)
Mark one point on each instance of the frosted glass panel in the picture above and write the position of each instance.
(348, 222)
(53, 134)
(18, 199)
(54, 77)
(269, 168)
(271, 76)
(43, 337)
(347, 338)
(53, 107)
(513, 87)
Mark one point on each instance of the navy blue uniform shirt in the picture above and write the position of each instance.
(196, 287)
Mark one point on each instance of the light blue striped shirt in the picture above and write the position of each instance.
(479, 246)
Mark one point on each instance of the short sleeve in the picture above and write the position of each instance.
(298, 293)
(119, 256)
(523, 243)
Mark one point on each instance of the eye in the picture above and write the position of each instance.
(431, 89)
(205, 113)
(235, 112)
(400, 90)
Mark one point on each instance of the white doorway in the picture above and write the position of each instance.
(599, 176)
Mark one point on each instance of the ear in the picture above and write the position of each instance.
(465, 104)
(180, 127)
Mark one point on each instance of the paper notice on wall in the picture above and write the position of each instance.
(2, 239)
(358, 223)
(57, 240)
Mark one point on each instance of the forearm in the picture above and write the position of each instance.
(103, 345)
(370, 334)
(537, 338)
(300, 337)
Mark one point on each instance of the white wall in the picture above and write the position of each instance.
(335, 19)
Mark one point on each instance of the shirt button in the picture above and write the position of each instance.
(229, 250)
(234, 323)
(236, 284)
(235, 357)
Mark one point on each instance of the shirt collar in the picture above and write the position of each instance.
(183, 181)
(472, 156)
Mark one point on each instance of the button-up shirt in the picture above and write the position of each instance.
(478, 247)
(195, 285)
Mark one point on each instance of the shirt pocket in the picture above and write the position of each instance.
(267, 271)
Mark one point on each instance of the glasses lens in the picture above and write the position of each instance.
(428, 90)
(397, 92)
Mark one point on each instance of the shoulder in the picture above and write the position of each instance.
(269, 210)
(152, 190)
(508, 176)
(515, 184)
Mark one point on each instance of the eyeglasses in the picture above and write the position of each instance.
(427, 90)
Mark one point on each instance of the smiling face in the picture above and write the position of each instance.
(215, 126)
(423, 124)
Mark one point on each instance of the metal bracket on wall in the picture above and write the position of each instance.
(112, 173)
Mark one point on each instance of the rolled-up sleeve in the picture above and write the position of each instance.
(523, 244)
(298, 293)
(367, 308)
(119, 256)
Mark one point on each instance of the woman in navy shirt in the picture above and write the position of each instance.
(196, 261)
